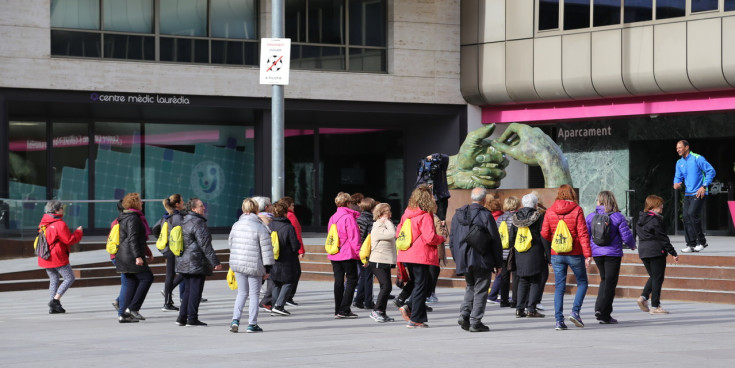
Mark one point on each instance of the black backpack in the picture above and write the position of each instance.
(478, 237)
(600, 229)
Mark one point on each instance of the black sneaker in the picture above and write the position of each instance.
(464, 323)
(116, 305)
(358, 305)
(348, 315)
(126, 318)
(280, 311)
(291, 303)
(520, 313)
(135, 314)
(180, 322)
(505, 304)
(399, 302)
(195, 323)
(535, 314)
(479, 327)
(169, 308)
(429, 309)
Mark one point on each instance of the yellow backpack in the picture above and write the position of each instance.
(365, 249)
(403, 241)
(231, 280)
(176, 241)
(162, 241)
(523, 239)
(562, 240)
(332, 243)
(113, 240)
(276, 245)
(503, 231)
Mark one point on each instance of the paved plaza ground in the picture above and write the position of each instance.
(88, 335)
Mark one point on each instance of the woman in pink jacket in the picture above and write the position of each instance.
(422, 253)
(345, 262)
(59, 240)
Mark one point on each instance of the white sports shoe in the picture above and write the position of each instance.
(688, 250)
(700, 247)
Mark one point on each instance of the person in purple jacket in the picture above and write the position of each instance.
(609, 256)
(344, 263)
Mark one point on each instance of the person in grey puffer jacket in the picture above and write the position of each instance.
(609, 256)
(251, 257)
(196, 262)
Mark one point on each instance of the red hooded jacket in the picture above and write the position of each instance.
(573, 216)
(425, 239)
(59, 240)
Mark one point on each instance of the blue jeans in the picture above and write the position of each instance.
(560, 263)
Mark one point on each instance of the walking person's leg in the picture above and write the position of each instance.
(601, 301)
(54, 278)
(465, 309)
(383, 276)
(418, 296)
(338, 268)
(145, 280)
(658, 270)
(351, 281)
(694, 212)
(253, 283)
(612, 267)
(560, 285)
(242, 295)
(577, 264)
(482, 283)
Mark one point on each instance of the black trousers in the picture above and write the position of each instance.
(656, 268)
(434, 271)
(294, 285)
(514, 287)
(365, 282)
(529, 288)
(136, 289)
(544, 279)
(189, 309)
(692, 216)
(609, 268)
(421, 277)
(172, 278)
(344, 290)
(383, 276)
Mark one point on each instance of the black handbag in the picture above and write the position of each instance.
(478, 237)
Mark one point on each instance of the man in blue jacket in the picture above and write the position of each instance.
(475, 261)
(696, 174)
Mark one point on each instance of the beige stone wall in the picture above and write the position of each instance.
(423, 62)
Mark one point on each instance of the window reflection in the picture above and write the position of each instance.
(606, 12)
(670, 9)
(71, 170)
(729, 5)
(576, 14)
(704, 5)
(234, 19)
(548, 16)
(183, 17)
(638, 11)
(79, 14)
(128, 16)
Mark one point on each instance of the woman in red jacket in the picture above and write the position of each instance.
(422, 253)
(566, 208)
(57, 265)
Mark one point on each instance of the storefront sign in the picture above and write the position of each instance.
(275, 60)
(149, 99)
(567, 133)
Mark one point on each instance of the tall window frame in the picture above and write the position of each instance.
(90, 38)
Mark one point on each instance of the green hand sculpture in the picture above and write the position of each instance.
(533, 147)
(477, 164)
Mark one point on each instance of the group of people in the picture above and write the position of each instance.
(517, 240)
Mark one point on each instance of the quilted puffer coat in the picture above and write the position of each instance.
(198, 257)
(250, 246)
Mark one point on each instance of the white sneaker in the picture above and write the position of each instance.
(688, 249)
(700, 247)
(540, 306)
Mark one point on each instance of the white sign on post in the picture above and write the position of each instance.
(275, 60)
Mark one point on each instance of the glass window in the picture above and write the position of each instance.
(27, 169)
(295, 17)
(117, 167)
(317, 57)
(71, 172)
(80, 14)
(184, 50)
(128, 15)
(704, 5)
(548, 14)
(129, 47)
(367, 23)
(576, 14)
(69, 43)
(214, 163)
(183, 17)
(234, 19)
(670, 9)
(235, 52)
(729, 5)
(637, 11)
(606, 12)
(326, 21)
(367, 60)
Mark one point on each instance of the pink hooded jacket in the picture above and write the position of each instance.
(349, 234)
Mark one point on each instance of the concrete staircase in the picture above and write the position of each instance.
(697, 278)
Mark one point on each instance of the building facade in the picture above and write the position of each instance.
(616, 84)
(99, 98)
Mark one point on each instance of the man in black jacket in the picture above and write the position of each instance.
(477, 252)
